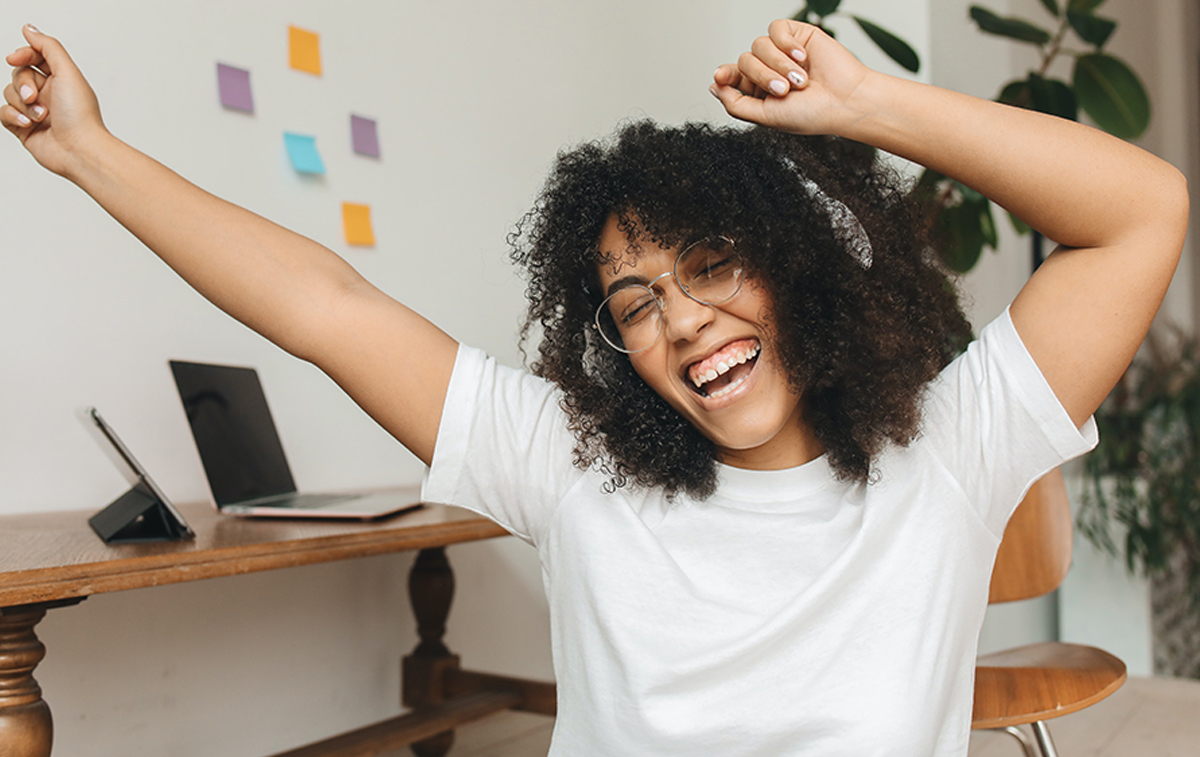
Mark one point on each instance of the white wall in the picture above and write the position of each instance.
(473, 100)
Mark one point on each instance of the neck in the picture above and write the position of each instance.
(794, 445)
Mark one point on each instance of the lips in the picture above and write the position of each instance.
(724, 370)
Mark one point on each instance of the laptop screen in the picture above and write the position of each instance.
(234, 433)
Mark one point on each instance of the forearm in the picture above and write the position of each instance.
(271, 279)
(1077, 185)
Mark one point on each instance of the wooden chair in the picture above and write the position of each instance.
(1033, 683)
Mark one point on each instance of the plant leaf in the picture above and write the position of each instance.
(824, 7)
(1091, 29)
(895, 48)
(1053, 96)
(1111, 93)
(961, 236)
(1052, 6)
(802, 14)
(987, 224)
(1011, 26)
(1018, 225)
(1085, 6)
(1018, 93)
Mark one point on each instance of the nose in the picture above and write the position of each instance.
(683, 317)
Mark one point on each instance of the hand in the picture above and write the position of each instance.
(796, 79)
(49, 106)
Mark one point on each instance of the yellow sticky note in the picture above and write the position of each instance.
(356, 219)
(304, 50)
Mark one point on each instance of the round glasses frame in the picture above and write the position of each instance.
(602, 312)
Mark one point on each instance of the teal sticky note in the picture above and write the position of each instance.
(303, 153)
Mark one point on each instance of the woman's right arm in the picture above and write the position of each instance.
(395, 364)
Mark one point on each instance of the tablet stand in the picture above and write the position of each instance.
(137, 516)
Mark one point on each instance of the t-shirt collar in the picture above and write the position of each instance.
(762, 486)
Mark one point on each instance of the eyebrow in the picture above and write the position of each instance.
(625, 282)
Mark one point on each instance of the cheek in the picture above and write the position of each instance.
(651, 367)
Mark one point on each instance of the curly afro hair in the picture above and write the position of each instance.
(859, 341)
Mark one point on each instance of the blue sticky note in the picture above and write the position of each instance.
(303, 153)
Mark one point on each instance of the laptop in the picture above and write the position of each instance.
(243, 458)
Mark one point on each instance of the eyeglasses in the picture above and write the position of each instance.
(709, 272)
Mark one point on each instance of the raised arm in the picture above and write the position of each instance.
(300, 295)
(1119, 213)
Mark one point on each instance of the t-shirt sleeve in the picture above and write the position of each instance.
(503, 446)
(996, 424)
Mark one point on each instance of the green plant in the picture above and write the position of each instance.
(816, 11)
(1145, 472)
(1105, 87)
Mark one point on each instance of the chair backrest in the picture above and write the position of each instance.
(1035, 552)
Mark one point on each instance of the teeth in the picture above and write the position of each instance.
(722, 367)
(728, 389)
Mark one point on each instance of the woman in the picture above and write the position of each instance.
(766, 506)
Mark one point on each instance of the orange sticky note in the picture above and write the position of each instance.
(304, 50)
(356, 219)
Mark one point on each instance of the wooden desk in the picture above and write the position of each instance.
(50, 560)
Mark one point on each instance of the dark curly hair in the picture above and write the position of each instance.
(860, 342)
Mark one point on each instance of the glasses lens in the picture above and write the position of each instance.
(630, 319)
(710, 271)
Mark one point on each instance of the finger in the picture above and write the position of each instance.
(55, 59)
(13, 119)
(28, 77)
(13, 98)
(738, 105)
(25, 56)
(728, 75)
(792, 38)
(27, 84)
(782, 63)
(762, 75)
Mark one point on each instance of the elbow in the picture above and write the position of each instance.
(1174, 203)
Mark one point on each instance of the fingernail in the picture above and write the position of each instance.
(797, 78)
(38, 111)
(712, 90)
(33, 28)
(23, 120)
(799, 54)
(778, 86)
(26, 92)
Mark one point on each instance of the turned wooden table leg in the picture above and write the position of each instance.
(430, 589)
(26, 729)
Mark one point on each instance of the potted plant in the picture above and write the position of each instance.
(1144, 476)
(1102, 85)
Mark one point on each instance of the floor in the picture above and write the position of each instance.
(1145, 716)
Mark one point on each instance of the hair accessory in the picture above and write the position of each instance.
(846, 225)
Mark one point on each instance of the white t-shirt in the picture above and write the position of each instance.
(788, 614)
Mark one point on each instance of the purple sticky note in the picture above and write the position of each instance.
(364, 136)
(234, 85)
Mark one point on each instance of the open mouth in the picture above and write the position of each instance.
(724, 370)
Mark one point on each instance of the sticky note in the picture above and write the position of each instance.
(234, 86)
(304, 50)
(356, 220)
(364, 136)
(302, 151)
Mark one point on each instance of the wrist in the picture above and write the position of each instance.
(88, 155)
(864, 110)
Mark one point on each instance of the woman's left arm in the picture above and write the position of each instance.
(1118, 213)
